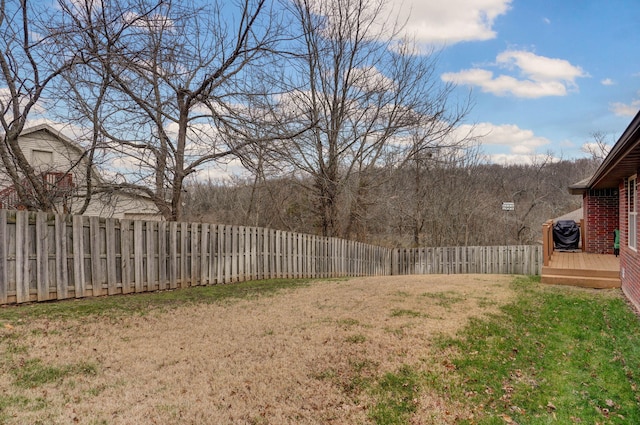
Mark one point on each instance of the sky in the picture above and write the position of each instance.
(544, 75)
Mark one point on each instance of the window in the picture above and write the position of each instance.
(632, 209)
(41, 159)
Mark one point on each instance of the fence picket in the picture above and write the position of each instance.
(204, 254)
(151, 257)
(61, 249)
(138, 255)
(110, 229)
(94, 245)
(22, 257)
(193, 269)
(163, 282)
(42, 257)
(125, 255)
(79, 278)
(183, 255)
(4, 258)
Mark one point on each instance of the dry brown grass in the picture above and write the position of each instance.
(288, 359)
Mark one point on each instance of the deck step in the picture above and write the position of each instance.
(583, 281)
(557, 271)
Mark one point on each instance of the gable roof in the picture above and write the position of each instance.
(623, 159)
(73, 145)
(46, 128)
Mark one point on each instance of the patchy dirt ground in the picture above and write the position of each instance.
(287, 359)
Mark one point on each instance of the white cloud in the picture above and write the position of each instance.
(517, 139)
(607, 82)
(220, 171)
(453, 21)
(625, 110)
(521, 145)
(537, 76)
(513, 159)
(596, 149)
(6, 98)
(371, 79)
(153, 22)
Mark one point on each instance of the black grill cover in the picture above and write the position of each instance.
(566, 234)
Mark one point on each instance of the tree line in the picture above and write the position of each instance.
(457, 203)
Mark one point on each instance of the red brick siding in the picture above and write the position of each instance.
(601, 212)
(629, 259)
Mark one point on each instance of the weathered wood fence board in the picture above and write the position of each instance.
(519, 259)
(46, 257)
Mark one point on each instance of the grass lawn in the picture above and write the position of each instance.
(458, 349)
(554, 355)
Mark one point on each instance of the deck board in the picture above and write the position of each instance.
(583, 261)
(582, 269)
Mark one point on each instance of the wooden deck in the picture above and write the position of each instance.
(581, 269)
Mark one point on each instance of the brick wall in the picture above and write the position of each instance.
(629, 259)
(601, 213)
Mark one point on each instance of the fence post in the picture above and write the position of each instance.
(138, 255)
(162, 255)
(4, 261)
(173, 255)
(42, 256)
(125, 255)
(547, 241)
(79, 279)
(110, 234)
(61, 253)
(22, 257)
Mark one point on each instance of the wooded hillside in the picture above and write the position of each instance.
(435, 204)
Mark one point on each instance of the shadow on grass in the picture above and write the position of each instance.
(143, 303)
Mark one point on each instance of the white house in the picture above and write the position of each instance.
(62, 164)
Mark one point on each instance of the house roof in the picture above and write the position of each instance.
(57, 134)
(575, 215)
(580, 187)
(46, 128)
(623, 161)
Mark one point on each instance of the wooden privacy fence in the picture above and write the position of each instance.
(51, 257)
(45, 256)
(519, 259)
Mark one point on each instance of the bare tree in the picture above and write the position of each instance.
(361, 91)
(179, 87)
(598, 148)
(30, 60)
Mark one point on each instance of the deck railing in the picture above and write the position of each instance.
(547, 240)
(55, 184)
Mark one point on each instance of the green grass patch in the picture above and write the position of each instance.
(348, 323)
(20, 402)
(143, 303)
(555, 355)
(446, 299)
(398, 312)
(396, 397)
(33, 373)
(356, 339)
